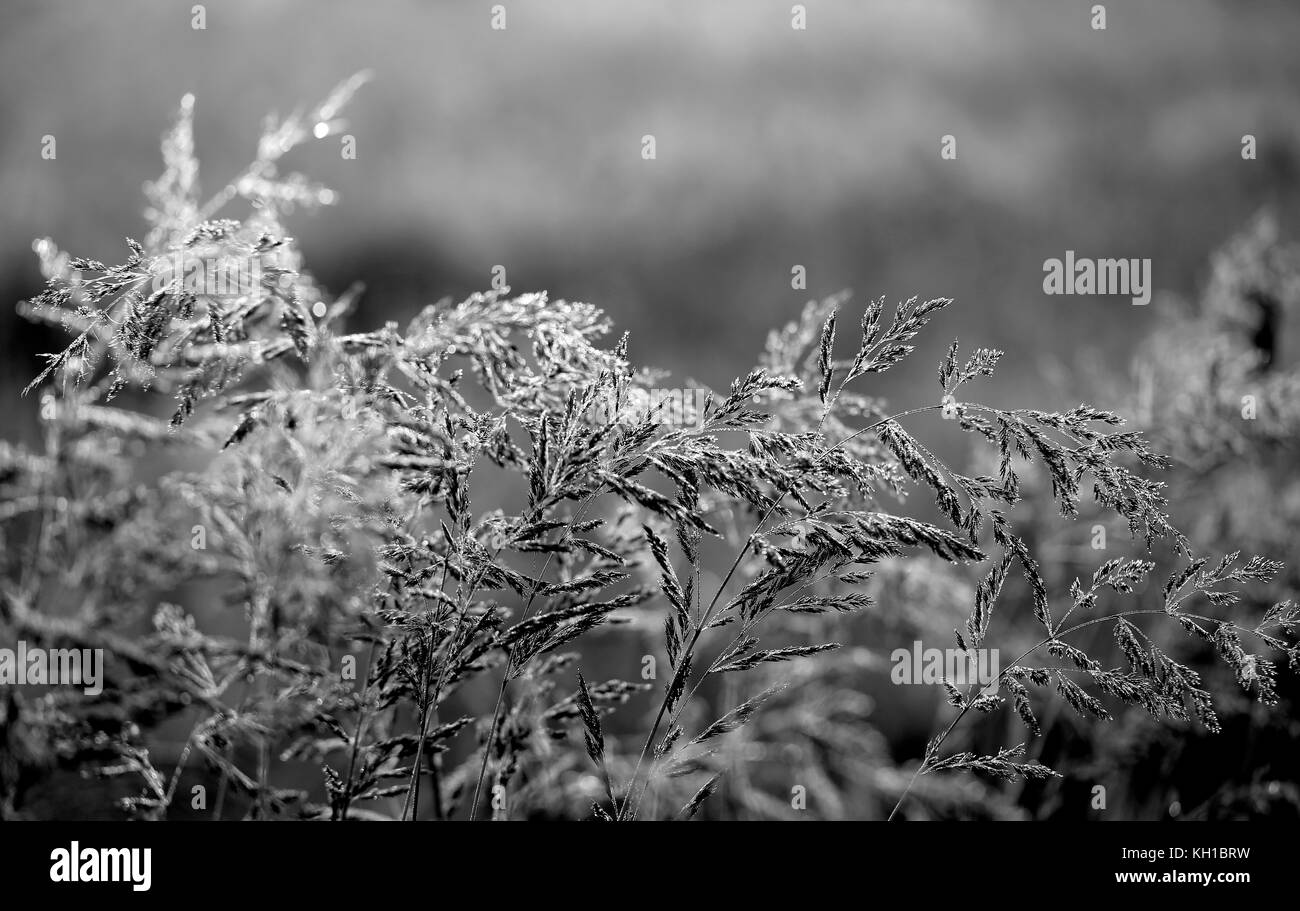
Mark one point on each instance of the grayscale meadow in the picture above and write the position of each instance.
(441, 540)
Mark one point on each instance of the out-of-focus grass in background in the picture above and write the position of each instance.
(775, 147)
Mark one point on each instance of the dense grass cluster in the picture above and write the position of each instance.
(318, 495)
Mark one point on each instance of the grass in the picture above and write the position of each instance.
(327, 505)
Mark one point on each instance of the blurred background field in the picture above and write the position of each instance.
(775, 147)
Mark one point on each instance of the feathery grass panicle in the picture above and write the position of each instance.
(333, 505)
